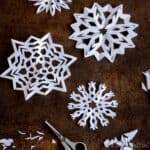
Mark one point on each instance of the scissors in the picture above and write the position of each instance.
(67, 144)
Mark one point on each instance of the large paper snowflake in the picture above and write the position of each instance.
(103, 31)
(38, 66)
(92, 105)
(51, 5)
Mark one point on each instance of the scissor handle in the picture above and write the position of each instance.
(69, 145)
(80, 146)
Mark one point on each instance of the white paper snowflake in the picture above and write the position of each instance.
(51, 5)
(103, 31)
(38, 66)
(92, 105)
(124, 142)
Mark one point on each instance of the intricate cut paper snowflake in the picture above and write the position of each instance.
(51, 5)
(92, 105)
(103, 31)
(125, 141)
(38, 66)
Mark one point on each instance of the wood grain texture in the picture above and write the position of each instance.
(18, 20)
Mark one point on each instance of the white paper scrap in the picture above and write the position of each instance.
(6, 143)
(146, 87)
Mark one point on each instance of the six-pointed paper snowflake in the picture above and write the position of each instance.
(51, 5)
(38, 66)
(124, 142)
(103, 32)
(92, 106)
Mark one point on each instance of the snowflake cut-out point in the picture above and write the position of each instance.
(51, 5)
(103, 32)
(38, 66)
(92, 105)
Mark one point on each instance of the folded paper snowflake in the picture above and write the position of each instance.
(92, 105)
(103, 32)
(38, 66)
(124, 142)
(51, 5)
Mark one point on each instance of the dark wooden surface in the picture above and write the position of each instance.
(18, 20)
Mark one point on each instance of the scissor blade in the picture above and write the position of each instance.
(67, 146)
(54, 130)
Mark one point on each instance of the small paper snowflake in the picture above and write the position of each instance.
(103, 32)
(51, 5)
(125, 141)
(38, 66)
(92, 105)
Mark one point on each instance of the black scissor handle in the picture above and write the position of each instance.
(80, 146)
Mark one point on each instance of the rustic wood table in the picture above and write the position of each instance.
(18, 20)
